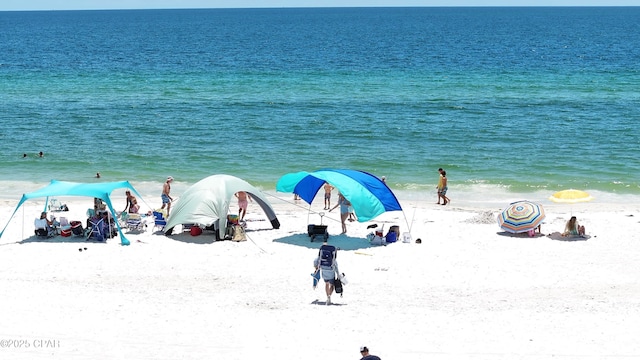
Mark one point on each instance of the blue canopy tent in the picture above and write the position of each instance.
(369, 196)
(63, 188)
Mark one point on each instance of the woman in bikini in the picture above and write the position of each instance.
(132, 203)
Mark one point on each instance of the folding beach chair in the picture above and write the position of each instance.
(159, 220)
(96, 229)
(134, 222)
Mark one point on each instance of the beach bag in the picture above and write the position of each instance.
(327, 254)
(42, 232)
(195, 231)
(337, 285)
(238, 233)
(378, 240)
(76, 228)
(391, 237)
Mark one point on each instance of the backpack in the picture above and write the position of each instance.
(42, 232)
(327, 254)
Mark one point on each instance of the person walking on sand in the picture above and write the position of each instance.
(364, 351)
(344, 211)
(439, 186)
(326, 263)
(327, 195)
(243, 203)
(166, 197)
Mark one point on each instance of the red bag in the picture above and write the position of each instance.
(195, 230)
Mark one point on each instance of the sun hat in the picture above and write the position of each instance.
(170, 178)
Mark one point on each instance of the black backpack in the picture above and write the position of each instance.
(327, 254)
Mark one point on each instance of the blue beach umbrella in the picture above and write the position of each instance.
(521, 216)
(369, 196)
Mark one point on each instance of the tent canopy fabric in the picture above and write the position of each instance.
(369, 196)
(96, 190)
(208, 200)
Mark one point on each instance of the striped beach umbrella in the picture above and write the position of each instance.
(521, 216)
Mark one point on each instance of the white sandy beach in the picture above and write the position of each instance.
(468, 291)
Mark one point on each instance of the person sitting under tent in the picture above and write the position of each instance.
(98, 205)
(44, 226)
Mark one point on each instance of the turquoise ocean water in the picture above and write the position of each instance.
(507, 100)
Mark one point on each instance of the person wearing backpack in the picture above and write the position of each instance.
(328, 266)
(364, 351)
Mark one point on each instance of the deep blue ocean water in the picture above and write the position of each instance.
(505, 99)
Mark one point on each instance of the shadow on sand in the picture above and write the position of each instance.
(344, 242)
(553, 236)
(558, 236)
(519, 235)
(62, 239)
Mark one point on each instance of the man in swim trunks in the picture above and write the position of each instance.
(439, 186)
(243, 202)
(166, 198)
(327, 195)
(442, 188)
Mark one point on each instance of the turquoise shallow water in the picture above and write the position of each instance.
(507, 100)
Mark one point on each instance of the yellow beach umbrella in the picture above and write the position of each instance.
(571, 196)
